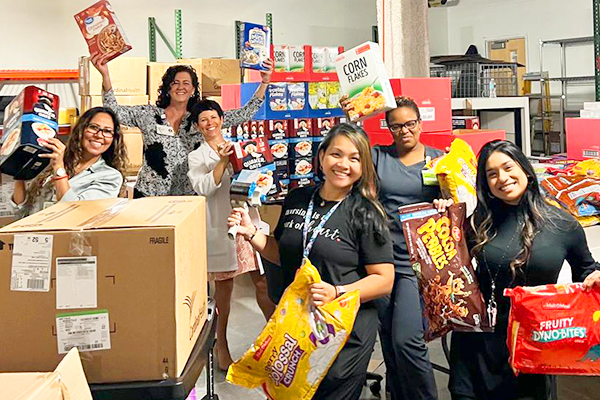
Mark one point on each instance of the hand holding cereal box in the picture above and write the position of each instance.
(363, 78)
(102, 31)
(295, 350)
(255, 45)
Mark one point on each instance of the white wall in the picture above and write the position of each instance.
(44, 34)
(438, 31)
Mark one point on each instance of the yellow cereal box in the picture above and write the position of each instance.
(363, 78)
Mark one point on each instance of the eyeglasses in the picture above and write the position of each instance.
(410, 125)
(95, 129)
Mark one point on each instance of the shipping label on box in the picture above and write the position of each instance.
(363, 78)
(86, 330)
(102, 31)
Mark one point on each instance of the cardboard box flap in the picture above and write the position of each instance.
(109, 214)
(66, 382)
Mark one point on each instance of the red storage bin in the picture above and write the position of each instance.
(583, 138)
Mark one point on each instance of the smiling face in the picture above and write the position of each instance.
(94, 141)
(341, 163)
(405, 137)
(181, 88)
(505, 177)
(210, 124)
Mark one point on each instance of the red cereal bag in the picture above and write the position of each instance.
(554, 329)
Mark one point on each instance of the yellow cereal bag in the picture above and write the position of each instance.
(589, 167)
(299, 344)
(456, 173)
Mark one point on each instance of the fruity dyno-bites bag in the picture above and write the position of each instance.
(442, 263)
(554, 329)
(299, 344)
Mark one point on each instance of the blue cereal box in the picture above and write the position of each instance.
(255, 46)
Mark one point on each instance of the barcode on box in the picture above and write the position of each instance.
(84, 347)
(35, 283)
(591, 153)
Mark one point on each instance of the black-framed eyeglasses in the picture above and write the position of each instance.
(410, 125)
(95, 129)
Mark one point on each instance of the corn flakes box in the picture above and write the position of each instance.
(363, 78)
(319, 59)
(296, 58)
(102, 30)
(255, 45)
(331, 54)
(281, 58)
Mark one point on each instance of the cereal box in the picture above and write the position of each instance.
(279, 148)
(281, 58)
(278, 129)
(296, 96)
(301, 168)
(322, 126)
(102, 31)
(363, 78)
(296, 58)
(281, 169)
(257, 129)
(331, 54)
(319, 59)
(278, 96)
(317, 95)
(301, 147)
(333, 94)
(256, 46)
(301, 128)
(29, 120)
(250, 154)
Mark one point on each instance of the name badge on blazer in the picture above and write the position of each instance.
(165, 130)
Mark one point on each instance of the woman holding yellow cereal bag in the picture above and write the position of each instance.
(341, 228)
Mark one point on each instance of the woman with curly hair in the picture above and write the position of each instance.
(89, 167)
(169, 133)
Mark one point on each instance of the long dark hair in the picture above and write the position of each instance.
(115, 156)
(164, 99)
(366, 213)
(533, 211)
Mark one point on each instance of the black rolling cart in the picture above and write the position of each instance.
(173, 388)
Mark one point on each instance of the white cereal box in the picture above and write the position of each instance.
(331, 54)
(296, 58)
(255, 45)
(363, 78)
(319, 59)
(281, 58)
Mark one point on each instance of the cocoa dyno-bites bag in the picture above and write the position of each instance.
(440, 258)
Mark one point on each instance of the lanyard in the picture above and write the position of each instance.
(307, 218)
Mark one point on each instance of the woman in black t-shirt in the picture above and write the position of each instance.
(352, 247)
(517, 239)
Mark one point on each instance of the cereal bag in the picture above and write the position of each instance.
(442, 263)
(554, 329)
(457, 172)
(299, 344)
(579, 194)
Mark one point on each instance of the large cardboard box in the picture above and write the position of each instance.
(214, 72)
(66, 382)
(127, 74)
(151, 278)
(134, 143)
(583, 138)
(88, 102)
(155, 71)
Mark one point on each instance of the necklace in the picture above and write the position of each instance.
(492, 308)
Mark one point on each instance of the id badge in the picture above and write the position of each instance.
(165, 130)
(429, 177)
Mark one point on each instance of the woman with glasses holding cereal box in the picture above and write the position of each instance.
(168, 132)
(89, 167)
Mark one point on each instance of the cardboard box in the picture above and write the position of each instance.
(66, 382)
(363, 77)
(88, 102)
(465, 122)
(475, 138)
(583, 138)
(134, 143)
(127, 74)
(102, 31)
(155, 72)
(7, 213)
(214, 72)
(31, 117)
(151, 277)
(433, 97)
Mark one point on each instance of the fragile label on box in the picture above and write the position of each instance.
(31, 263)
(76, 282)
(88, 331)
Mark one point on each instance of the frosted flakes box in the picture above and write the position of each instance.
(278, 96)
(256, 46)
(296, 58)
(102, 31)
(363, 78)
(296, 96)
(281, 58)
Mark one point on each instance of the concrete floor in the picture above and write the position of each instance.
(246, 322)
